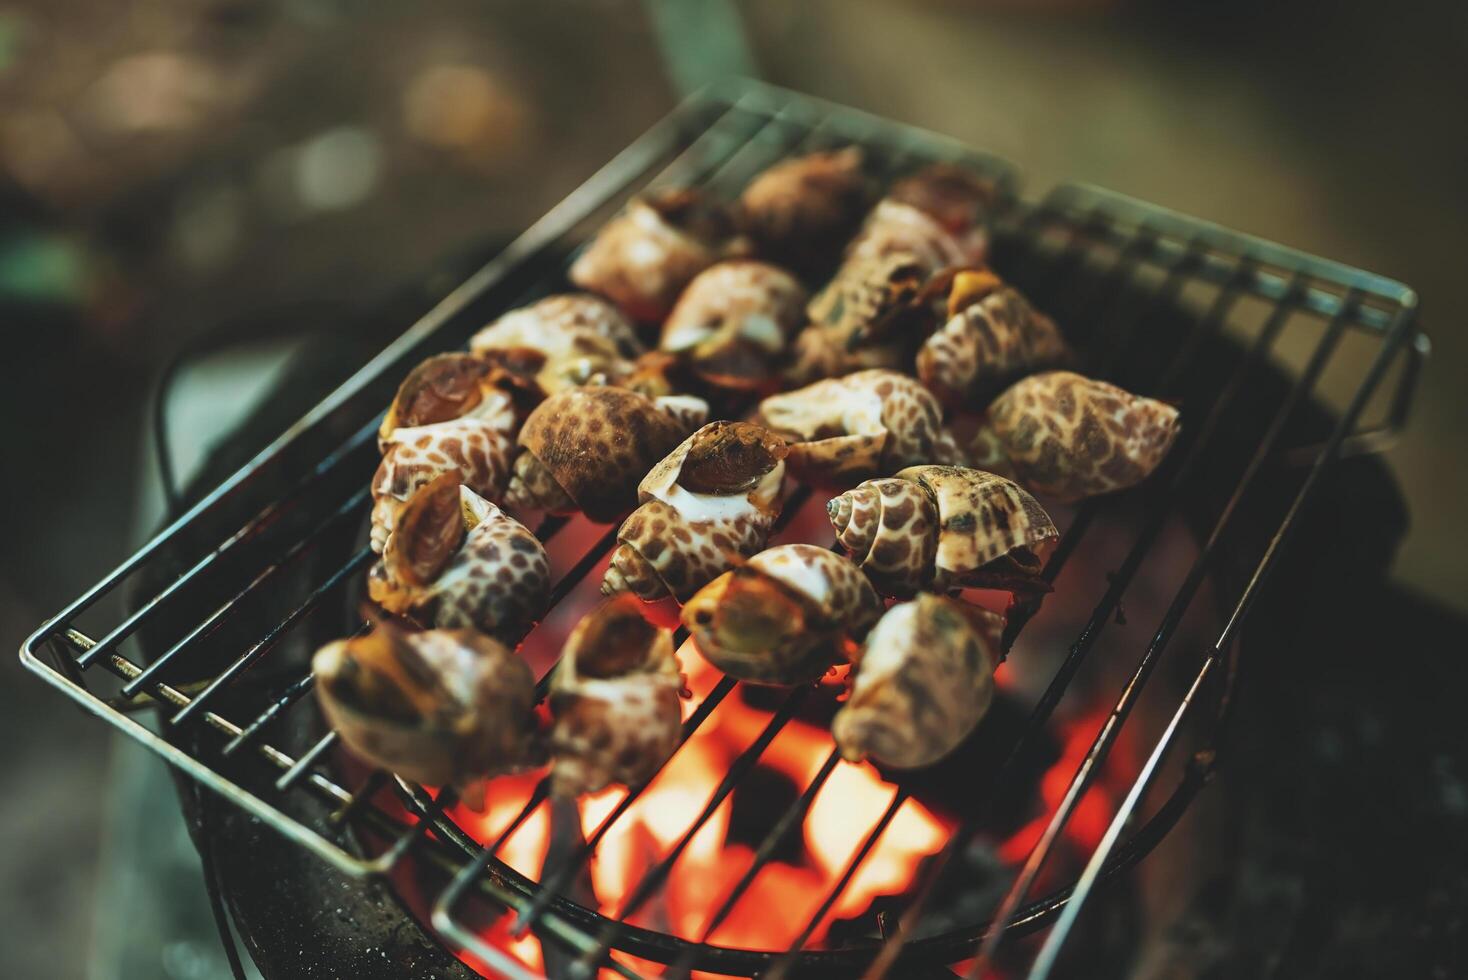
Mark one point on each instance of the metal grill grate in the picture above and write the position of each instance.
(1114, 271)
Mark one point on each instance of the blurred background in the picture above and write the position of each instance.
(231, 181)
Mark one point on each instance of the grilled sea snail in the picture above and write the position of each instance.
(939, 215)
(614, 697)
(941, 528)
(454, 560)
(451, 415)
(871, 314)
(801, 211)
(710, 502)
(783, 617)
(991, 335)
(562, 341)
(440, 707)
(733, 322)
(642, 258)
(1070, 437)
(922, 682)
(858, 426)
(585, 449)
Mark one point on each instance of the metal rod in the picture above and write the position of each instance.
(268, 642)
(261, 520)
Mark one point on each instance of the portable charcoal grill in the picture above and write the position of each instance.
(228, 600)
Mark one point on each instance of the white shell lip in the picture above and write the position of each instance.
(754, 503)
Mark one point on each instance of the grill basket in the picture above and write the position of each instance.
(219, 612)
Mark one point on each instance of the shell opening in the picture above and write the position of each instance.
(731, 457)
(428, 531)
(614, 640)
(441, 388)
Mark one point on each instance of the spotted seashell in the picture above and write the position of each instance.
(440, 707)
(562, 341)
(802, 210)
(708, 504)
(939, 214)
(476, 451)
(889, 527)
(923, 681)
(586, 449)
(614, 698)
(1071, 437)
(733, 322)
(442, 388)
(943, 527)
(642, 259)
(454, 561)
(784, 617)
(862, 425)
(992, 335)
(870, 301)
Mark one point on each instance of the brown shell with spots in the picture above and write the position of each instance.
(939, 215)
(802, 210)
(862, 425)
(446, 387)
(923, 681)
(476, 452)
(870, 300)
(991, 336)
(614, 698)
(440, 707)
(456, 561)
(642, 259)
(1071, 437)
(943, 527)
(562, 341)
(784, 617)
(734, 321)
(586, 449)
(707, 505)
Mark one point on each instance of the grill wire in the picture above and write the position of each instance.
(1089, 279)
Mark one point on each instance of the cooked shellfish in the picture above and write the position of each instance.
(944, 527)
(1071, 437)
(733, 321)
(455, 560)
(441, 707)
(709, 502)
(562, 341)
(586, 449)
(784, 617)
(801, 211)
(940, 215)
(922, 682)
(858, 426)
(615, 700)
(450, 416)
(642, 259)
(992, 334)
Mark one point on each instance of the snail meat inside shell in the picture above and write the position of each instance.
(441, 707)
(708, 504)
(455, 560)
(614, 697)
(784, 617)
